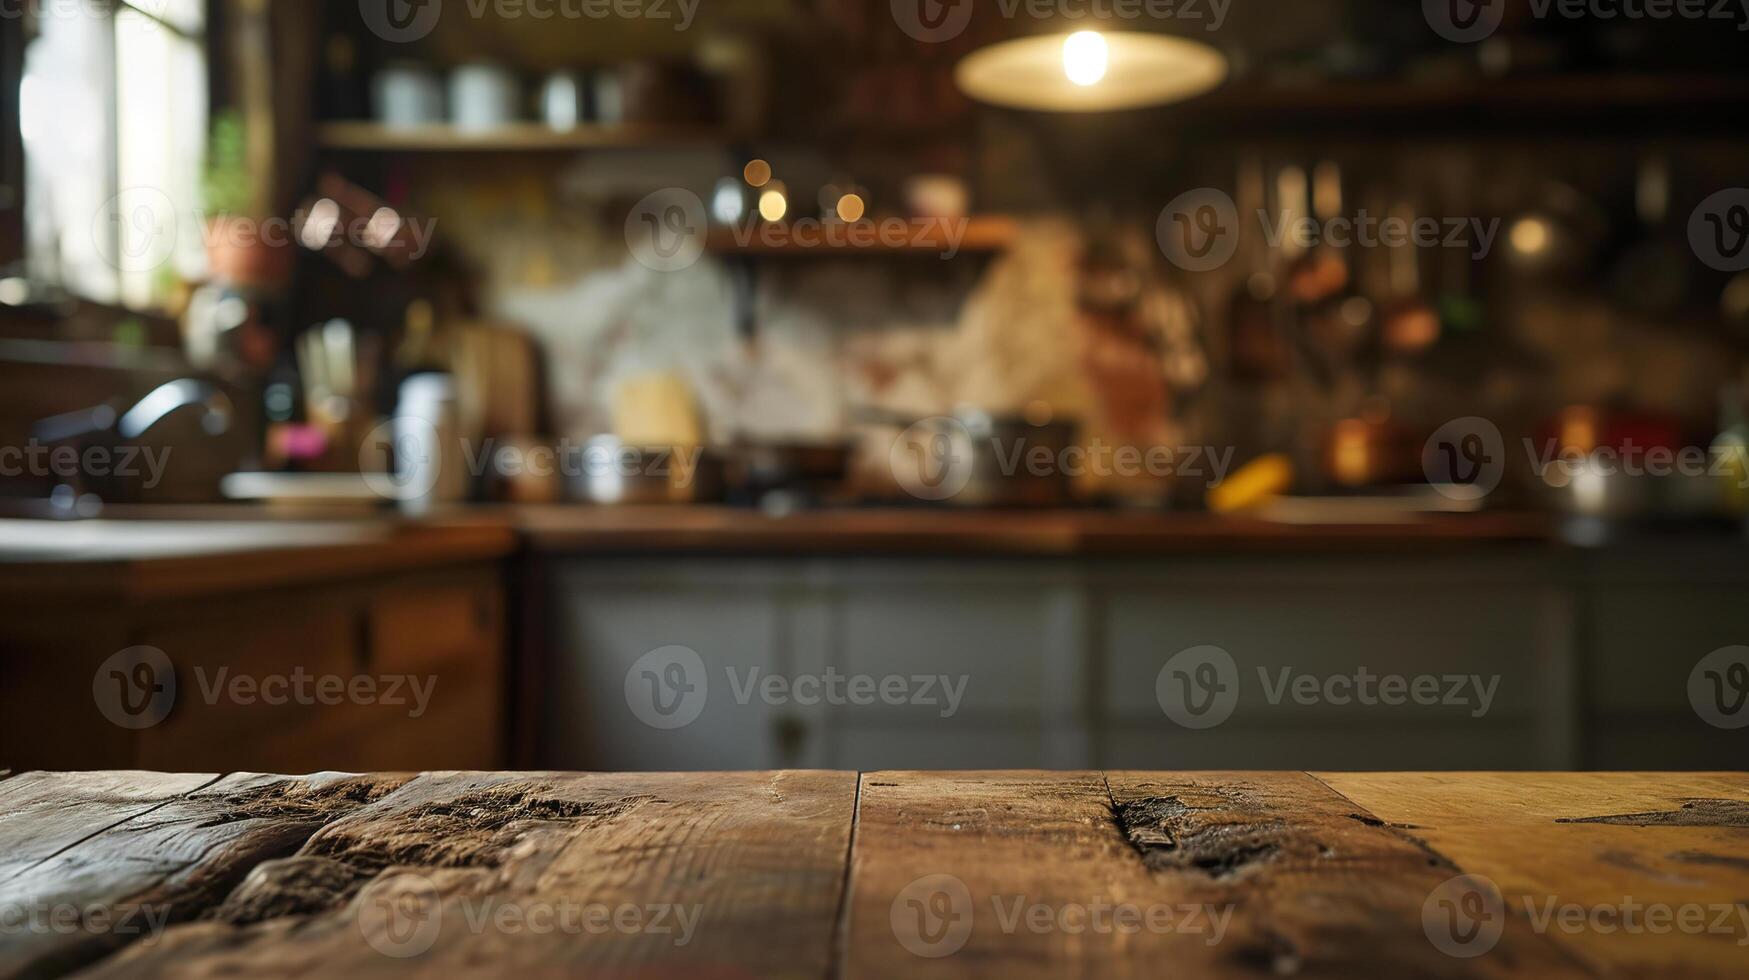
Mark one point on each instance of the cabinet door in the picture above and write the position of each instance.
(660, 668)
(991, 660)
(224, 719)
(447, 637)
(403, 676)
(1650, 640)
(1308, 649)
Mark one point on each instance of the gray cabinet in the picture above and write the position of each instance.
(1535, 659)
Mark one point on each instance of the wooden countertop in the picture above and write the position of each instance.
(157, 559)
(831, 874)
(926, 532)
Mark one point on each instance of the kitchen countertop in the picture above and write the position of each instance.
(169, 558)
(917, 874)
(1050, 533)
(152, 552)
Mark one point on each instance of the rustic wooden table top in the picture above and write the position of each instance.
(831, 874)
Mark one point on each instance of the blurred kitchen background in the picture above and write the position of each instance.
(596, 362)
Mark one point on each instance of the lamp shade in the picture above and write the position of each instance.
(1089, 71)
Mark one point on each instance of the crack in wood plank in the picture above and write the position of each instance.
(1693, 813)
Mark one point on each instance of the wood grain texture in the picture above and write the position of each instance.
(43, 813)
(133, 852)
(1228, 874)
(1598, 843)
(543, 875)
(1029, 874)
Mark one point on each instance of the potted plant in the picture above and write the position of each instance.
(242, 249)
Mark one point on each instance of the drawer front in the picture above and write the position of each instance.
(1466, 656)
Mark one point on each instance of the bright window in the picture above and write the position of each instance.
(113, 111)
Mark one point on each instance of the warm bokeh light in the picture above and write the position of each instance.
(851, 207)
(757, 172)
(773, 205)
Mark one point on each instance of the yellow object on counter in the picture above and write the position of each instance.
(656, 410)
(1256, 483)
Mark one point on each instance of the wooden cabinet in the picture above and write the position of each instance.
(401, 673)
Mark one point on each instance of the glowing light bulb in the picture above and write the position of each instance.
(1085, 57)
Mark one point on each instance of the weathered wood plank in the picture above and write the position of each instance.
(1609, 846)
(42, 813)
(1141, 875)
(181, 844)
(459, 874)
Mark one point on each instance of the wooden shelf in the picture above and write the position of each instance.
(980, 235)
(373, 136)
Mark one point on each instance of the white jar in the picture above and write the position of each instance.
(483, 97)
(408, 96)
